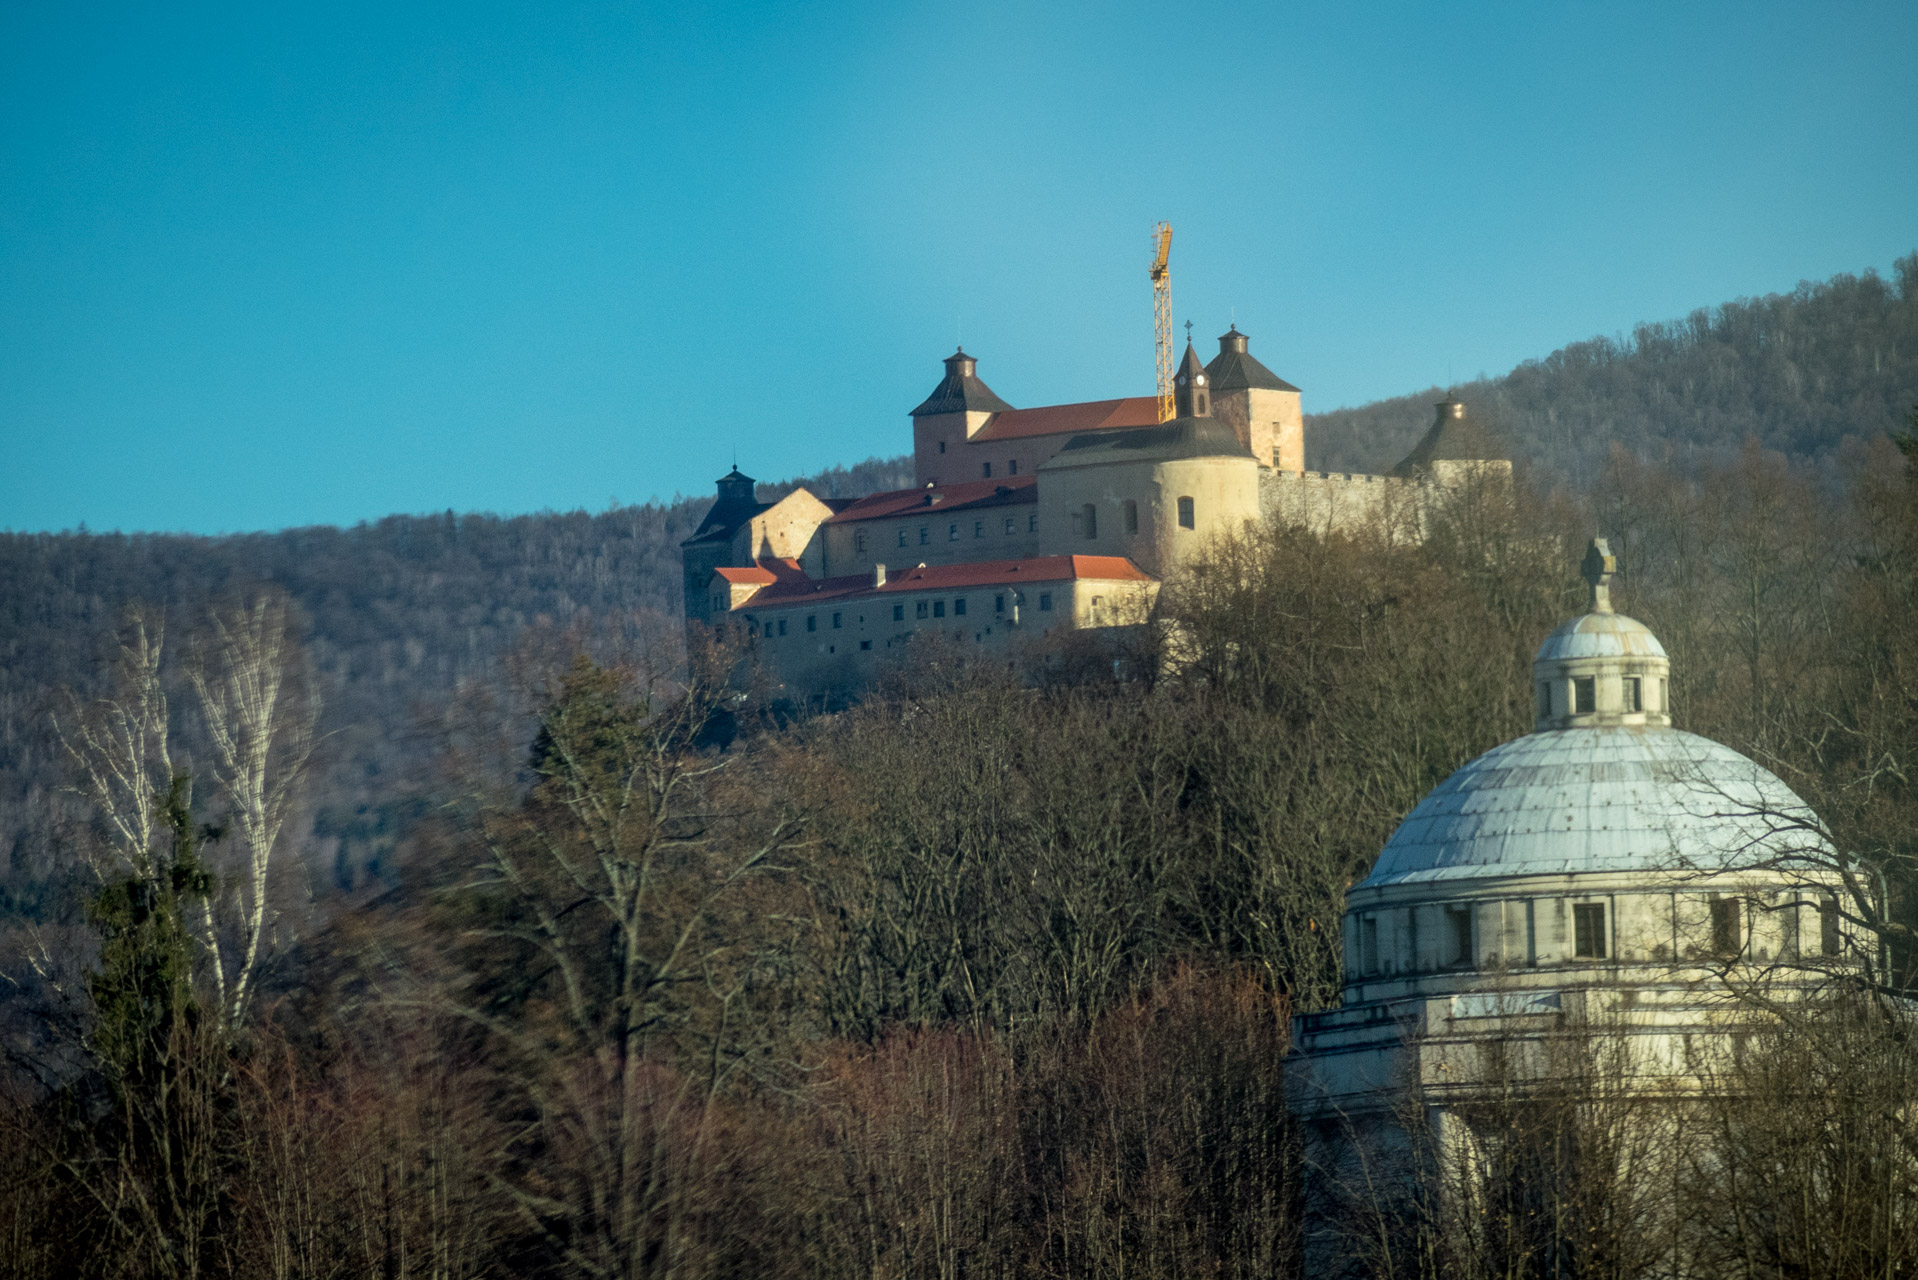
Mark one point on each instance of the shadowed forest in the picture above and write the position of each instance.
(599, 962)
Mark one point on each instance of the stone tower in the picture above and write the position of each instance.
(954, 413)
(1261, 407)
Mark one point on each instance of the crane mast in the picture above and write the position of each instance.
(1162, 314)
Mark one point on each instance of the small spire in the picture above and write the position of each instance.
(1600, 564)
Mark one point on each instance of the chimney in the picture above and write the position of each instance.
(878, 576)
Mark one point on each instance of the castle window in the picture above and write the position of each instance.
(988, 471)
(782, 626)
(1545, 697)
(1584, 695)
(865, 644)
(952, 533)
(942, 446)
(1131, 516)
(1045, 601)
(1458, 921)
(769, 630)
(812, 622)
(835, 622)
(1089, 521)
(921, 610)
(1368, 945)
(902, 537)
(1012, 526)
(938, 608)
(899, 613)
(1187, 519)
(1032, 523)
(1727, 927)
(1012, 467)
(978, 528)
(859, 541)
(998, 604)
(1830, 942)
(925, 534)
(1634, 695)
(959, 607)
(1588, 930)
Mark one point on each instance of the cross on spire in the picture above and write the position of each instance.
(1600, 564)
(1188, 333)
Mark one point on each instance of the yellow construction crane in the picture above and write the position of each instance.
(1162, 314)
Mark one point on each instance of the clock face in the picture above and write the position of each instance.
(1200, 380)
(1182, 379)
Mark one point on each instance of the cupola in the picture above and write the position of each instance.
(1191, 392)
(960, 391)
(1602, 668)
(735, 487)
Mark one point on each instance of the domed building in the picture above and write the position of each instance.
(1604, 868)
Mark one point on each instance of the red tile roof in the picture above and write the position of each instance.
(951, 577)
(947, 497)
(764, 573)
(1069, 419)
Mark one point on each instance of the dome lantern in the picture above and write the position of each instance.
(1602, 669)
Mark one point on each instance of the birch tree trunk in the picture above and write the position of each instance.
(259, 711)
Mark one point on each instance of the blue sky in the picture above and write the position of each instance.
(266, 265)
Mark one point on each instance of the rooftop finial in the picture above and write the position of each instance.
(1600, 564)
(1188, 333)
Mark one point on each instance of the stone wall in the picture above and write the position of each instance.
(1334, 502)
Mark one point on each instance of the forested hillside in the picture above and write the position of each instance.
(402, 609)
(399, 612)
(1799, 371)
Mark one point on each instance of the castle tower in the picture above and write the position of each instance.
(957, 410)
(1455, 446)
(1158, 495)
(713, 543)
(1262, 408)
(1191, 387)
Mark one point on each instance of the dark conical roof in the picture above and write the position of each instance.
(1190, 396)
(1453, 437)
(1179, 438)
(1234, 369)
(960, 391)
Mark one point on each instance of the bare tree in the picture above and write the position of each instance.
(119, 747)
(260, 714)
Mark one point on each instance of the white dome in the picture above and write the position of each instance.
(1600, 635)
(1602, 800)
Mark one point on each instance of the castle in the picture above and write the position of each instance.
(1026, 523)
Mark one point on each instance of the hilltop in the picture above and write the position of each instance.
(1799, 371)
(403, 609)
